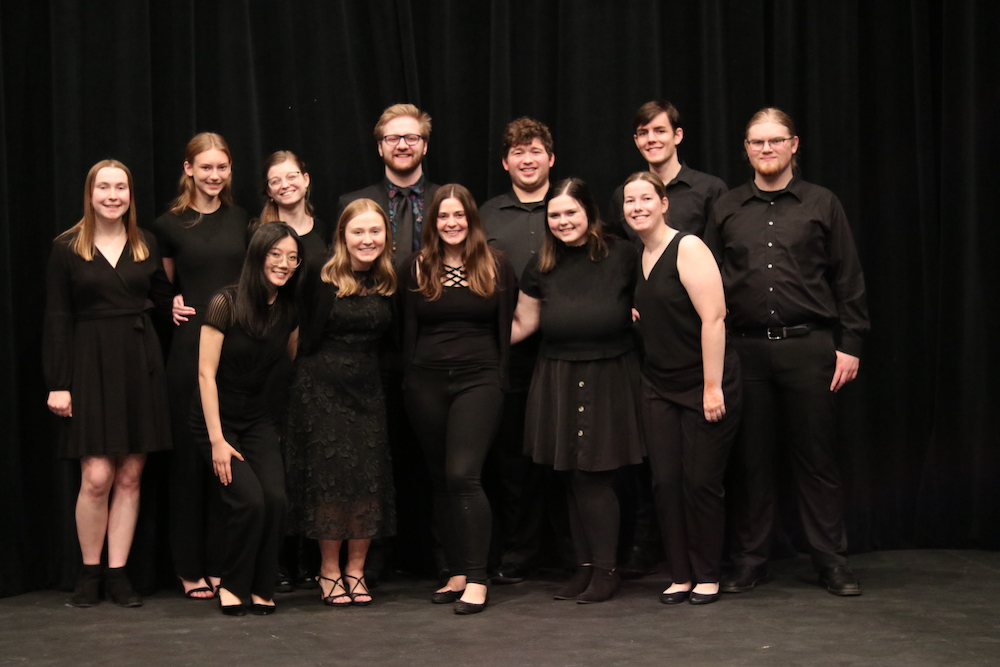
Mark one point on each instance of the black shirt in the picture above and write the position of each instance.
(691, 194)
(788, 258)
(514, 227)
(586, 309)
(208, 254)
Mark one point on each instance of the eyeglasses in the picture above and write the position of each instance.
(291, 178)
(777, 143)
(275, 257)
(393, 139)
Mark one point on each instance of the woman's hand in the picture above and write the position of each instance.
(180, 311)
(61, 403)
(715, 404)
(222, 455)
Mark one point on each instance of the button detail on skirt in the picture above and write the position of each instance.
(581, 383)
(580, 433)
(580, 409)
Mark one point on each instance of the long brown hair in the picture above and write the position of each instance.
(83, 244)
(337, 270)
(553, 248)
(270, 211)
(480, 259)
(185, 186)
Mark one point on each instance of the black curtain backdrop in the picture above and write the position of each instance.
(893, 102)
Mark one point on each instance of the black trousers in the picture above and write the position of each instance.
(687, 457)
(787, 399)
(196, 510)
(255, 499)
(456, 413)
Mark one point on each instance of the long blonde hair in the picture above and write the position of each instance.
(200, 143)
(480, 259)
(337, 270)
(83, 244)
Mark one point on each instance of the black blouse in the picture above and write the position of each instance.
(586, 309)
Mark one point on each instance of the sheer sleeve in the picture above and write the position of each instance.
(220, 312)
(57, 339)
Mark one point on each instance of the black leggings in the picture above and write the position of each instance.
(456, 414)
(593, 516)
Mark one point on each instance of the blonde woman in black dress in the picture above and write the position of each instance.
(337, 450)
(105, 372)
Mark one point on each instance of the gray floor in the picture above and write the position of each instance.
(919, 608)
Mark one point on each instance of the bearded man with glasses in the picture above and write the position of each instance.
(797, 317)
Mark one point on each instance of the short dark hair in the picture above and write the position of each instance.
(523, 131)
(650, 110)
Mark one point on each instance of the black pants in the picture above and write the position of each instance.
(255, 498)
(456, 414)
(594, 516)
(787, 398)
(196, 510)
(687, 456)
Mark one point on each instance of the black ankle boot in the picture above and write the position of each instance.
(577, 584)
(120, 590)
(88, 587)
(603, 584)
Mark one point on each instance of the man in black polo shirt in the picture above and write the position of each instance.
(692, 193)
(401, 136)
(797, 317)
(515, 223)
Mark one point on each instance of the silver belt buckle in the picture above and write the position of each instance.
(776, 336)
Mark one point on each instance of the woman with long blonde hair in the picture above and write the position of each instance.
(337, 450)
(105, 372)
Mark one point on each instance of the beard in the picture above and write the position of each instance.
(403, 170)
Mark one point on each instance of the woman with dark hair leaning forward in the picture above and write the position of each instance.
(337, 451)
(247, 329)
(203, 238)
(691, 390)
(105, 372)
(459, 297)
(583, 415)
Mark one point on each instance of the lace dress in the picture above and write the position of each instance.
(339, 472)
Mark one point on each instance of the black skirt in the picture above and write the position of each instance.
(584, 415)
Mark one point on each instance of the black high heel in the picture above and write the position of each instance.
(230, 609)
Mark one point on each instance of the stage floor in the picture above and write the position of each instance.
(927, 607)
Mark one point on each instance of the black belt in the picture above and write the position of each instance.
(777, 333)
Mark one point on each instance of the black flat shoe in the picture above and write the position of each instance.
(704, 598)
(232, 609)
(676, 597)
(258, 609)
(466, 608)
(577, 584)
(446, 597)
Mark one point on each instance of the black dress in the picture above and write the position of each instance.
(583, 405)
(339, 471)
(100, 345)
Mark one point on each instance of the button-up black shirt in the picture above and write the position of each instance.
(788, 258)
(514, 227)
(691, 194)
